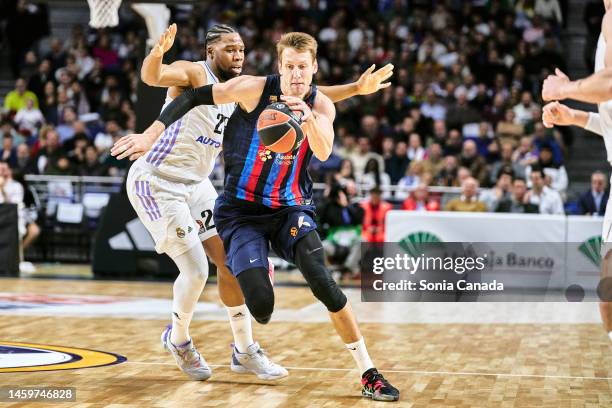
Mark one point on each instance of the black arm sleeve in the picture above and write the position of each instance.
(185, 102)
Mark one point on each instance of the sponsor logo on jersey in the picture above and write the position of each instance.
(208, 141)
(273, 98)
(265, 155)
(189, 229)
(284, 158)
(293, 231)
(20, 357)
(180, 232)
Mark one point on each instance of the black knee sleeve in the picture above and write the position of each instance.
(309, 258)
(258, 293)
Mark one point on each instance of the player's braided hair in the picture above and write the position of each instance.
(214, 33)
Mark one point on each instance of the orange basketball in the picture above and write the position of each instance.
(279, 128)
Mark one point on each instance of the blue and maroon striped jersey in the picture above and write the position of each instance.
(254, 173)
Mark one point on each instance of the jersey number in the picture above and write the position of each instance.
(221, 120)
(207, 215)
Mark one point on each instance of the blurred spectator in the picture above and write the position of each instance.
(29, 118)
(434, 161)
(419, 200)
(56, 55)
(468, 202)
(506, 160)
(415, 148)
(413, 177)
(501, 190)
(447, 177)
(104, 140)
(91, 165)
(25, 164)
(525, 155)
(475, 163)
(454, 143)
(557, 173)
(432, 108)
(362, 155)
(544, 137)
(50, 154)
(523, 111)
(550, 10)
(8, 152)
(7, 129)
(36, 82)
(518, 202)
(375, 210)
(340, 222)
(461, 113)
(508, 129)
(17, 98)
(594, 201)
(346, 174)
(548, 200)
(373, 176)
(397, 164)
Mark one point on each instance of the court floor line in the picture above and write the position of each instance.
(457, 373)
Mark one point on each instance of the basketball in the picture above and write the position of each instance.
(279, 128)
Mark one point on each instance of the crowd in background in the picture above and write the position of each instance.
(464, 109)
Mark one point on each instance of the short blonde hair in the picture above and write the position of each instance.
(301, 42)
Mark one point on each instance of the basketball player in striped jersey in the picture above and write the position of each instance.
(595, 89)
(171, 192)
(267, 198)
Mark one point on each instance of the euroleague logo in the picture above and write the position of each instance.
(24, 357)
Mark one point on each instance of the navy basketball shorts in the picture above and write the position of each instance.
(249, 229)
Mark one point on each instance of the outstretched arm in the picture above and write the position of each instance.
(369, 82)
(556, 113)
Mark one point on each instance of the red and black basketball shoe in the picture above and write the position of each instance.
(376, 387)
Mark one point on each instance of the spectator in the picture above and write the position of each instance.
(340, 222)
(544, 137)
(434, 161)
(557, 173)
(501, 190)
(550, 10)
(461, 113)
(447, 177)
(432, 108)
(8, 152)
(25, 163)
(30, 118)
(419, 200)
(375, 210)
(518, 202)
(17, 98)
(412, 179)
(416, 152)
(548, 200)
(66, 129)
(523, 111)
(454, 143)
(397, 164)
(373, 176)
(50, 154)
(91, 165)
(12, 191)
(104, 140)
(7, 129)
(475, 163)
(509, 129)
(364, 153)
(468, 202)
(506, 160)
(346, 174)
(525, 155)
(594, 201)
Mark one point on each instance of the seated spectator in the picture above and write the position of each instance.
(373, 176)
(104, 140)
(525, 155)
(506, 160)
(12, 191)
(545, 137)
(501, 190)
(340, 222)
(29, 118)
(461, 113)
(548, 200)
(66, 129)
(412, 179)
(419, 200)
(25, 163)
(476, 164)
(6, 128)
(375, 210)
(434, 161)
(92, 166)
(17, 98)
(468, 202)
(361, 156)
(397, 164)
(557, 173)
(447, 177)
(523, 110)
(594, 201)
(453, 144)
(8, 152)
(345, 174)
(517, 203)
(415, 148)
(508, 129)
(49, 155)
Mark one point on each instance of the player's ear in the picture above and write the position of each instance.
(279, 66)
(316, 67)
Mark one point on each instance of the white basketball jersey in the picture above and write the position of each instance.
(187, 149)
(605, 109)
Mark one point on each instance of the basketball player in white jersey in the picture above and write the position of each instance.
(170, 190)
(595, 89)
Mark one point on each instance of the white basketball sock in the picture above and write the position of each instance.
(240, 320)
(360, 354)
(188, 286)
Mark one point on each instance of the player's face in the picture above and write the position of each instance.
(227, 55)
(296, 70)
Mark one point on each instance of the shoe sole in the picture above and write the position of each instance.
(379, 397)
(266, 377)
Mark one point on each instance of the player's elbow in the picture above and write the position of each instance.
(323, 153)
(148, 78)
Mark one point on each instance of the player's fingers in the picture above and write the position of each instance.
(126, 153)
(119, 146)
(384, 85)
(135, 156)
(386, 70)
(370, 70)
(561, 73)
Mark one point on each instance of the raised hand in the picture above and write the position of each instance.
(165, 41)
(372, 81)
(552, 89)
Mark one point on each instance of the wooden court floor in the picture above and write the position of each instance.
(434, 365)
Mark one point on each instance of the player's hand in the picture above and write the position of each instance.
(372, 81)
(133, 146)
(552, 89)
(165, 41)
(297, 105)
(558, 114)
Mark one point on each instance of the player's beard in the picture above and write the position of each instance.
(226, 75)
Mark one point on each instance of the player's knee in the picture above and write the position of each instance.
(261, 307)
(328, 292)
(258, 293)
